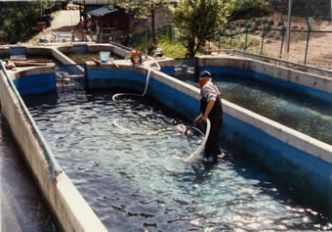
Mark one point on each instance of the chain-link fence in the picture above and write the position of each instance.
(144, 40)
(309, 40)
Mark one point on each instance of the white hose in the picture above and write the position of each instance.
(132, 132)
(115, 96)
(157, 64)
(193, 156)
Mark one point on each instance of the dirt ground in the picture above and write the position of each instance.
(319, 47)
(64, 23)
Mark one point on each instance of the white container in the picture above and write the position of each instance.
(104, 57)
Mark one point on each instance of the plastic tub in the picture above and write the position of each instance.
(104, 57)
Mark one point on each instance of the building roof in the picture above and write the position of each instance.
(102, 11)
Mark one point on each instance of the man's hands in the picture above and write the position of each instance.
(198, 119)
(204, 117)
(206, 113)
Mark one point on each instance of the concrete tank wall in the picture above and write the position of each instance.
(304, 82)
(313, 84)
(47, 51)
(299, 160)
(35, 80)
(96, 48)
(69, 207)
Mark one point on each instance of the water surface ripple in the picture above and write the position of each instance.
(306, 114)
(127, 172)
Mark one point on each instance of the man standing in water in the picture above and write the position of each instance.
(211, 108)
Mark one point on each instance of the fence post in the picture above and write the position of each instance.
(282, 32)
(246, 37)
(307, 44)
(262, 43)
(172, 34)
(288, 26)
(231, 39)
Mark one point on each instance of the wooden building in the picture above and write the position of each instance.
(110, 22)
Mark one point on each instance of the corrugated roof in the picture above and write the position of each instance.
(102, 11)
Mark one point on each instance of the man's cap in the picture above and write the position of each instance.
(205, 74)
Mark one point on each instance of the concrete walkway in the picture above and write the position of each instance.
(64, 20)
(63, 23)
(22, 207)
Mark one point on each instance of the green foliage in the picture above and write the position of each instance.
(143, 41)
(140, 41)
(199, 21)
(238, 42)
(143, 9)
(172, 49)
(168, 41)
(245, 9)
(139, 8)
(18, 19)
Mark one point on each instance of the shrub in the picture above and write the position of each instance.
(18, 19)
(172, 49)
(245, 9)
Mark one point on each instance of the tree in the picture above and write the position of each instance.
(143, 9)
(199, 21)
(18, 19)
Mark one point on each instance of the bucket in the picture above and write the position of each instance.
(104, 57)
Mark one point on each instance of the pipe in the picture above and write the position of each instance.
(114, 98)
(193, 156)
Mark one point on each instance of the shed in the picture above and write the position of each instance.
(110, 22)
